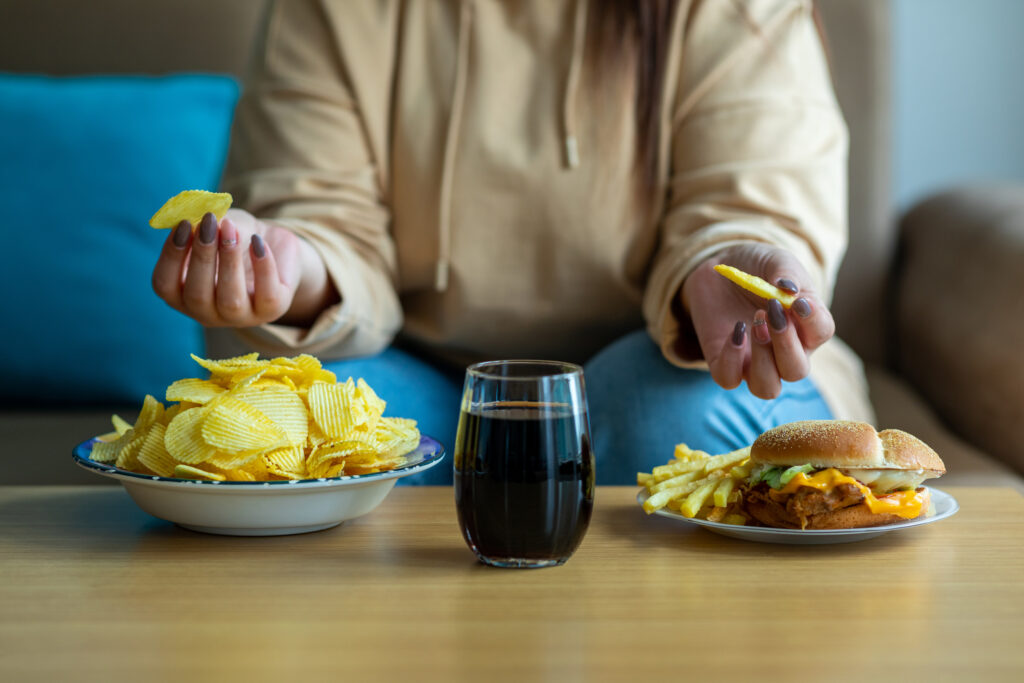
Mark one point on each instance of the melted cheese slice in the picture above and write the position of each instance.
(906, 504)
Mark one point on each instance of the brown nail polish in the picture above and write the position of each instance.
(258, 248)
(787, 286)
(208, 229)
(739, 333)
(181, 234)
(801, 307)
(776, 316)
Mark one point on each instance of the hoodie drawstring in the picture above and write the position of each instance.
(450, 145)
(579, 33)
(572, 154)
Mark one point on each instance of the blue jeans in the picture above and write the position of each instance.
(641, 406)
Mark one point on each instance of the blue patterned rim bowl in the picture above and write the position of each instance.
(261, 508)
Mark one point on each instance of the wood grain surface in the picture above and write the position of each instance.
(91, 588)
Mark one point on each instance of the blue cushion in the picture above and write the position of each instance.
(84, 163)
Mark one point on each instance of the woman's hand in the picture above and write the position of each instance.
(241, 273)
(781, 340)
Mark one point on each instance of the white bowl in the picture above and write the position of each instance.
(262, 508)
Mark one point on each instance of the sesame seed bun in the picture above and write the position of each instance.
(845, 445)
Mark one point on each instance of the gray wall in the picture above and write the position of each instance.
(958, 94)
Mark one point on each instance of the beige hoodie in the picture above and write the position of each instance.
(468, 182)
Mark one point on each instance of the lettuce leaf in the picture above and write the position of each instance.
(777, 477)
(788, 475)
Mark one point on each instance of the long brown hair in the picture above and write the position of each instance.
(639, 29)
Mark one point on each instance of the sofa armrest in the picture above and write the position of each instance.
(959, 314)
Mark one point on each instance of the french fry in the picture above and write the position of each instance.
(674, 482)
(723, 490)
(660, 499)
(686, 454)
(720, 462)
(697, 484)
(663, 472)
(693, 503)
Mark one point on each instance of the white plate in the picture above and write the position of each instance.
(945, 506)
(261, 508)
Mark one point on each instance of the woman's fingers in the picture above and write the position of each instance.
(813, 321)
(232, 296)
(763, 375)
(200, 280)
(727, 367)
(270, 299)
(790, 357)
(169, 267)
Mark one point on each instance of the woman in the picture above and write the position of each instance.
(483, 179)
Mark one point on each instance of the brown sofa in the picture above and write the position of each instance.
(932, 303)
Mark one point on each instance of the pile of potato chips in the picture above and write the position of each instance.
(698, 484)
(261, 420)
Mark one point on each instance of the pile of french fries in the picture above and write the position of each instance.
(698, 484)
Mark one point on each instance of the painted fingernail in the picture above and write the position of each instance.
(739, 333)
(801, 307)
(787, 285)
(181, 233)
(760, 329)
(208, 229)
(776, 316)
(258, 248)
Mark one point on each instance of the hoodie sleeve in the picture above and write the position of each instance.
(309, 152)
(757, 152)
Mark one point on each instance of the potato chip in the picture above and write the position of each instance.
(107, 451)
(229, 366)
(154, 453)
(189, 472)
(756, 285)
(233, 461)
(128, 457)
(184, 437)
(282, 406)
(120, 425)
(334, 409)
(152, 410)
(234, 426)
(258, 420)
(323, 457)
(288, 462)
(313, 370)
(191, 206)
(197, 391)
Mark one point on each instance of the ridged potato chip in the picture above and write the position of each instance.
(193, 390)
(107, 451)
(189, 472)
(154, 455)
(282, 406)
(128, 457)
(288, 462)
(120, 425)
(333, 408)
(184, 437)
(234, 426)
(260, 420)
(191, 206)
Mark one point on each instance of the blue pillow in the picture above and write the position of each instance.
(84, 163)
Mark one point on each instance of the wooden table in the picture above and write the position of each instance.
(91, 588)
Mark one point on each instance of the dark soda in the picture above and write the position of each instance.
(524, 482)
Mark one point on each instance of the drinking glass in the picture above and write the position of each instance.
(524, 468)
